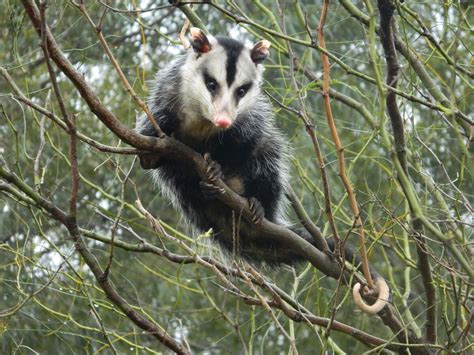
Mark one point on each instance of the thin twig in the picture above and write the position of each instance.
(304, 219)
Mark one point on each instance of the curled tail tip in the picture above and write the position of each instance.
(382, 298)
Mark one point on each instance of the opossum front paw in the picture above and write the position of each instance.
(257, 210)
(210, 191)
(214, 171)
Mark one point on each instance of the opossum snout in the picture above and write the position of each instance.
(222, 119)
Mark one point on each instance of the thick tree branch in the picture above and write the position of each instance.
(387, 25)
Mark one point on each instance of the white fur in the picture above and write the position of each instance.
(198, 102)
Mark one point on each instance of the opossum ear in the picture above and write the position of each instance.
(260, 51)
(199, 41)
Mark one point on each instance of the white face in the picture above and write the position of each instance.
(219, 85)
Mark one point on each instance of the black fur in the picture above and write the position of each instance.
(233, 49)
(238, 156)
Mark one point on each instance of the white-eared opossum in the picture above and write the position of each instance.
(211, 100)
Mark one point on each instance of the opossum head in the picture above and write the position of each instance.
(220, 80)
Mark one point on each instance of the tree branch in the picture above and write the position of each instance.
(387, 25)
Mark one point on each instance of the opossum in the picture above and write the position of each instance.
(211, 100)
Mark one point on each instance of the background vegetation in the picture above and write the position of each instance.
(414, 192)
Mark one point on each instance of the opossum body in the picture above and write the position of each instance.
(210, 99)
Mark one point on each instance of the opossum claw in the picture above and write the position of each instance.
(210, 191)
(213, 170)
(257, 210)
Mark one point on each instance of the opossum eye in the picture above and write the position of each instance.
(241, 91)
(210, 82)
(211, 85)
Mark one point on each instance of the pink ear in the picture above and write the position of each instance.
(260, 51)
(199, 41)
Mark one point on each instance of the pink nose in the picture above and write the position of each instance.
(222, 120)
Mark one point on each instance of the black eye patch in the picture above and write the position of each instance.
(242, 90)
(211, 83)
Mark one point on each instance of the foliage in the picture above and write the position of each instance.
(52, 300)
